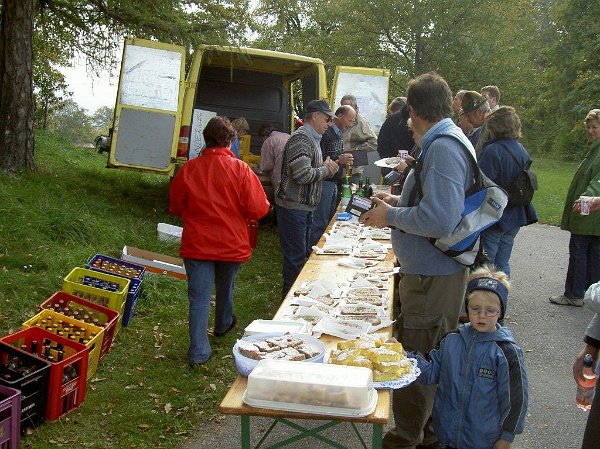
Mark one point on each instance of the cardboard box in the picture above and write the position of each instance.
(154, 262)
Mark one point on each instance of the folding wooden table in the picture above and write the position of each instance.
(316, 267)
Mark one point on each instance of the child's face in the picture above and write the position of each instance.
(484, 309)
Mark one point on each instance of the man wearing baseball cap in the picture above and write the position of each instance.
(475, 108)
(302, 172)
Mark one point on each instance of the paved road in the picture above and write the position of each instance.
(550, 335)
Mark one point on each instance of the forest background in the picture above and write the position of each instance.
(543, 54)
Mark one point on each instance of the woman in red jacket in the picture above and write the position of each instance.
(215, 194)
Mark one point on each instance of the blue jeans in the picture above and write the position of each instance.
(294, 237)
(202, 274)
(498, 246)
(584, 264)
(325, 210)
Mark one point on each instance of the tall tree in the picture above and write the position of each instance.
(470, 42)
(93, 28)
(569, 81)
(16, 91)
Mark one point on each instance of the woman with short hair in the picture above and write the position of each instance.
(584, 244)
(501, 160)
(216, 195)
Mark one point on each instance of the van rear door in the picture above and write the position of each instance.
(369, 86)
(148, 107)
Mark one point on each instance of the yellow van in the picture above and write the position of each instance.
(160, 114)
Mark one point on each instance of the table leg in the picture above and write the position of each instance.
(245, 424)
(377, 436)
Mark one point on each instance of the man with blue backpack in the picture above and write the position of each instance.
(431, 208)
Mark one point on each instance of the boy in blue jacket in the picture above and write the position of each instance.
(481, 399)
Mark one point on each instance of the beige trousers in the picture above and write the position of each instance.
(429, 308)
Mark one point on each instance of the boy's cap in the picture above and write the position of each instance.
(491, 285)
(472, 101)
(319, 106)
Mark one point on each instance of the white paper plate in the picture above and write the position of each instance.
(384, 164)
(404, 381)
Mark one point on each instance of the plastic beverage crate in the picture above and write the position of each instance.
(115, 300)
(122, 268)
(10, 418)
(94, 334)
(33, 386)
(67, 377)
(108, 318)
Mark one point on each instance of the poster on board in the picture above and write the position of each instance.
(199, 120)
(371, 92)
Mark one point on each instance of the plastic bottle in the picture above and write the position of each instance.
(346, 192)
(586, 384)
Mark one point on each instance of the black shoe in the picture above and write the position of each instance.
(233, 323)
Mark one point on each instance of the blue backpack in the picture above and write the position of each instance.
(484, 204)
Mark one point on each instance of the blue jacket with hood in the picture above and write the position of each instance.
(482, 387)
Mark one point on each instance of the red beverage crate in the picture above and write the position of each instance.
(10, 418)
(107, 318)
(68, 377)
(93, 335)
(122, 268)
(33, 385)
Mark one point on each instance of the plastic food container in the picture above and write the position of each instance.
(311, 388)
(168, 232)
(245, 365)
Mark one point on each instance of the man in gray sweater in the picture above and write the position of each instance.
(299, 192)
(432, 285)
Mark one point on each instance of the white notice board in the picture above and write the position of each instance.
(151, 78)
(371, 92)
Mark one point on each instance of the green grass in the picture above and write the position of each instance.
(554, 178)
(143, 394)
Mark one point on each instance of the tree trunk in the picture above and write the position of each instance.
(16, 91)
(45, 126)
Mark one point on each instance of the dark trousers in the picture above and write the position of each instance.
(293, 227)
(584, 264)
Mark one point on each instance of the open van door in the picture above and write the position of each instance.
(369, 86)
(148, 107)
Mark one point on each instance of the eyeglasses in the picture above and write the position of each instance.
(488, 312)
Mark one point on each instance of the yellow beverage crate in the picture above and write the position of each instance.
(252, 160)
(245, 144)
(94, 286)
(57, 322)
